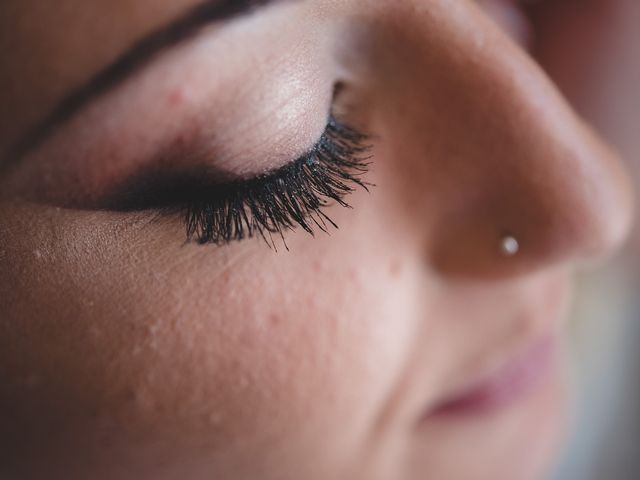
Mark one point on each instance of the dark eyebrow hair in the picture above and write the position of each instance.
(139, 55)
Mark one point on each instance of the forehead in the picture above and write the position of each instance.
(47, 47)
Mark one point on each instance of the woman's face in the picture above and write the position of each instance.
(406, 344)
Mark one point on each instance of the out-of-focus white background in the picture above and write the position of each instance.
(605, 441)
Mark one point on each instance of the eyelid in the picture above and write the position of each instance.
(139, 56)
(218, 212)
(164, 117)
(157, 187)
(161, 187)
(295, 195)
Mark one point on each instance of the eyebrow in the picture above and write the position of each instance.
(131, 61)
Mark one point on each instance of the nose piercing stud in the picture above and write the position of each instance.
(509, 246)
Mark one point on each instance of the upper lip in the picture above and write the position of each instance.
(516, 364)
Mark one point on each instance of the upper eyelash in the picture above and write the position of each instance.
(292, 196)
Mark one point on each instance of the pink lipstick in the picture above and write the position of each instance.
(516, 380)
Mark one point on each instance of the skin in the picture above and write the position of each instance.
(126, 353)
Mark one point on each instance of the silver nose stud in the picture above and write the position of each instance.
(509, 246)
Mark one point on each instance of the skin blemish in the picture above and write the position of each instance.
(395, 268)
(176, 98)
(318, 266)
(274, 320)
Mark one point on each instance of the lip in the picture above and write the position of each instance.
(520, 378)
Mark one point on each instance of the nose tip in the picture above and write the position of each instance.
(604, 197)
(578, 214)
(566, 206)
(547, 182)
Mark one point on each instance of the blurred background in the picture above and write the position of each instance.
(591, 48)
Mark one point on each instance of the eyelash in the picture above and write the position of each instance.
(292, 196)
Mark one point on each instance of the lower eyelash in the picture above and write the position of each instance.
(292, 196)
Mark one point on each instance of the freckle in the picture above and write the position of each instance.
(180, 141)
(317, 266)
(395, 268)
(273, 320)
(352, 275)
(176, 98)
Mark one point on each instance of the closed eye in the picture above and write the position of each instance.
(219, 212)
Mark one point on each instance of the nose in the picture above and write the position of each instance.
(493, 149)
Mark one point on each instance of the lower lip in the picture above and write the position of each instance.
(513, 383)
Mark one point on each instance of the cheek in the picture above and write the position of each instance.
(198, 349)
